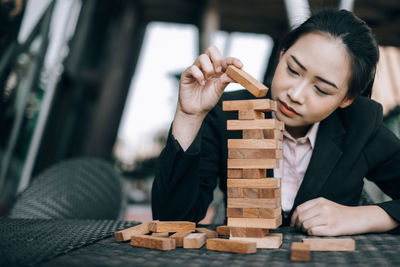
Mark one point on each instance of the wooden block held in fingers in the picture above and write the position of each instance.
(300, 252)
(194, 240)
(254, 86)
(264, 105)
(234, 246)
(223, 230)
(254, 203)
(253, 134)
(330, 244)
(251, 114)
(209, 233)
(254, 143)
(125, 235)
(270, 241)
(255, 183)
(179, 238)
(247, 232)
(172, 226)
(255, 222)
(253, 163)
(160, 234)
(237, 125)
(159, 243)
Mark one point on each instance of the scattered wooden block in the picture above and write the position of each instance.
(253, 163)
(254, 86)
(251, 114)
(194, 240)
(330, 244)
(254, 144)
(209, 233)
(236, 125)
(172, 227)
(248, 232)
(300, 252)
(270, 241)
(234, 246)
(146, 241)
(160, 234)
(264, 105)
(255, 222)
(254, 203)
(223, 230)
(178, 237)
(255, 183)
(125, 235)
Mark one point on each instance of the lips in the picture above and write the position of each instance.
(288, 111)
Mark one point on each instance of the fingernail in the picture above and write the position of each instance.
(203, 83)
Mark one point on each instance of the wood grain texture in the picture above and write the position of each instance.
(300, 252)
(262, 213)
(209, 233)
(255, 222)
(255, 183)
(194, 241)
(254, 143)
(248, 232)
(237, 125)
(253, 163)
(240, 76)
(234, 246)
(159, 243)
(254, 203)
(251, 114)
(160, 234)
(178, 237)
(254, 173)
(223, 230)
(270, 241)
(330, 244)
(276, 134)
(265, 105)
(172, 226)
(248, 153)
(253, 134)
(126, 234)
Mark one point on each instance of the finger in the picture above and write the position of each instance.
(203, 62)
(231, 61)
(313, 222)
(215, 57)
(321, 230)
(193, 72)
(301, 208)
(307, 215)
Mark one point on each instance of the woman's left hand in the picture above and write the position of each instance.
(323, 217)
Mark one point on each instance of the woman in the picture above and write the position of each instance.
(334, 135)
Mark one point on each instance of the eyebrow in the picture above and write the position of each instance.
(317, 77)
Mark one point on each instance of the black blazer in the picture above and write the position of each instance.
(351, 144)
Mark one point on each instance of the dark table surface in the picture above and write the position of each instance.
(90, 243)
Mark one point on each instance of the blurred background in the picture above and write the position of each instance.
(98, 78)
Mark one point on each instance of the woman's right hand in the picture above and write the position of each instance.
(201, 86)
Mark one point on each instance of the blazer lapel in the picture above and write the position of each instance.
(327, 152)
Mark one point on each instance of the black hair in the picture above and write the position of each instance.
(355, 35)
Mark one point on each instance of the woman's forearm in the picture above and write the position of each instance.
(374, 219)
(186, 127)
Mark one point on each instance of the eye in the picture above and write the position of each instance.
(292, 70)
(319, 90)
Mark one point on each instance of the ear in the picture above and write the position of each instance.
(347, 102)
(281, 54)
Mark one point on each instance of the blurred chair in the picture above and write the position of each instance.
(82, 188)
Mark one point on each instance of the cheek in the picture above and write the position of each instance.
(279, 82)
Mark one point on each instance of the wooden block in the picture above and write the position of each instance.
(269, 213)
(262, 213)
(236, 125)
(160, 234)
(234, 173)
(255, 183)
(125, 235)
(254, 173)
(254, 143)
(300, 252)
(270, 241)
(178, 237)
(253, 163)
(247, 232)
(269, 193)
(223, 230)
(234, 246)
(249, 192)
(254, 86)
(254, 203)
(251, 114)
(235, 192)
(209, 233)
(264, 105)
(172, 227)
(255, 222)
(234, 212)
(194, 240)
(253, 134)
(246, 153)
(146, 241)
(250, 212)
(330, 244)
(276, 134)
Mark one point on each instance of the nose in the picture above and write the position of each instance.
(297, 93)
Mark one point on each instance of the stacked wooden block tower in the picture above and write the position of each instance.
(254, 200)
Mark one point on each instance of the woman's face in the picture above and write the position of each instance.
(311, 81)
